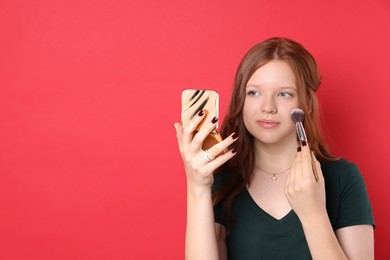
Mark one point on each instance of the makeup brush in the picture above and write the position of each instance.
(297, 116)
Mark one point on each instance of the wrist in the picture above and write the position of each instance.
(197, 192)
(314, 218)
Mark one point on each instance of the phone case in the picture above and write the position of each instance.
(194, 100)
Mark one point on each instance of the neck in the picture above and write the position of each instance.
(275, 157)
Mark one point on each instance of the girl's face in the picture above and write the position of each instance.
(271, 94)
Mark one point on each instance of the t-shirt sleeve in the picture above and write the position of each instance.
(355, 207)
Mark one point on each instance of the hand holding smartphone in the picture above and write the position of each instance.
(194, 100)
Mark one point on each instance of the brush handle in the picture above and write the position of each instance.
(302, 137)
(313, 166)
(301, 132)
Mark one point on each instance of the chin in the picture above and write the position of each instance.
(270, 140)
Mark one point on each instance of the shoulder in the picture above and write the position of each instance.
(343, 180)
(341, 170)
(339, 165)
(346, 194)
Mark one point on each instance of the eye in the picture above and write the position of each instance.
(252, 93)
(286, 94)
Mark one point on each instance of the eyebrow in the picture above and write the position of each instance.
(291, 88)
(283, 88)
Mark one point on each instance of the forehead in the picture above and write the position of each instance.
(275, 72)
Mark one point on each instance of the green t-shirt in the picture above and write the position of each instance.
(257, 235)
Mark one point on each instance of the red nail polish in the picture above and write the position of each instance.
(235, 135)
(214, 120)
(304, 143)
(299, 149)
(201, 113)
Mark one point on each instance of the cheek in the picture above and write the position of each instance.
(287, 107)
(250, 107)
(249, 112)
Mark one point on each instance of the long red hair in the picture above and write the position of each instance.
(307, 80)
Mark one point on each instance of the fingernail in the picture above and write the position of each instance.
(235, 135)
(201, 113)
(234, 151)
(214, 120)
(299, 149)
(304, 143)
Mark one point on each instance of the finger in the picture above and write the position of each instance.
(223, 145)
(296, 170)
(298, 163)
(317, 165)
(220, 160)
(188, 131)
(307, 170)
(208, 126)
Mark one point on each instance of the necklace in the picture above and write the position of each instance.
(273, 174)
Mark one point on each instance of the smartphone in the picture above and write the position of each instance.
(194, 100)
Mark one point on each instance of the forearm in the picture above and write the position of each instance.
(322, 241)
(201, 240)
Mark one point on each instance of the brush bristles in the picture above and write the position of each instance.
(297, 115)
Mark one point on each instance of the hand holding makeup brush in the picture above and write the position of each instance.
(305, 194)
(297, 116)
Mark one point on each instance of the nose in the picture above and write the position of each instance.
(268, 106)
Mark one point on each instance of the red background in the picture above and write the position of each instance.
(89, 91)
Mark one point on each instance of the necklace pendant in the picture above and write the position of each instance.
(273, 177)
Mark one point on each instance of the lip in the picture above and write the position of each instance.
(268, 124)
